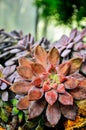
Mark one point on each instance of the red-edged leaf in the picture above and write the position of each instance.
(46, 86)
(25, 72)
(79, 93)
(23, 103)
(36, 108)
(5, 96)
(61, 88)
(75, 64)
(53, 114)
(65, 99)
(25, 62)
(69, 111)
(38, 68)
(37, 82)
(71, 83)
(51, 96)
(82, 83)
(41, 55)
(35, 93)
(62, 78)
(20, 87)
(64, 68)
(53, 56)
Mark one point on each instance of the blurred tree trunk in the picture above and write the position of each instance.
(36, 22)
(45, 27)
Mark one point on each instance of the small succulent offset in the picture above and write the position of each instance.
(49, 87)
(73, 46)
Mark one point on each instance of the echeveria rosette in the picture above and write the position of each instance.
(51, 85)
(73, 46)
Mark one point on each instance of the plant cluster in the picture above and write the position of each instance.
(42, 85)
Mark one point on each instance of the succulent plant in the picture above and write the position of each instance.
(48, 87)
(73, 46)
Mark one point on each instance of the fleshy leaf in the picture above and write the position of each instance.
(75, 64)
(82, 83)
(41, 55)
(36, 108)
(38, 68)
(35, 93)
(65, 99)
(61, 88)
(64, 68)
(79, 93)
(69, 111)
(66, 52)
(23, 103)
(72, 35)
(5, 96)
(21, 87)
(25, 72)
(25, 62)
(71, 83)
(37, 82)
(53, 114)
(53, 56)
(51, 96)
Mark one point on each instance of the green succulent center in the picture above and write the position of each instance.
(54, 78)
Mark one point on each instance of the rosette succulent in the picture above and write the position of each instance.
(73, 46)
(49, 87)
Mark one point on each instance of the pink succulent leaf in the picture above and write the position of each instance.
(36, 108)
(37, 82)
(53, 114)
(41, 55)
(65, 52)
(78, 93)
(63, 40)
(64, 68)
(5, 96)
(82, 83)
(72, 35)
(65, 99)
(51, 96)
(35, 93)
(71, 83)
(61, 88)
(61, 49)
(53, 56)
(25, 62)
(69, 111)
(46, 86)
(23, 103)
(38, 69)
(21, 87)
(25, 72)
(80, 36)
(78, 46)
(75, 64)
(70, 45)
